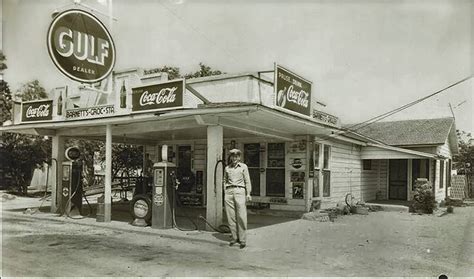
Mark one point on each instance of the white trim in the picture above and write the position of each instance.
(402, 150)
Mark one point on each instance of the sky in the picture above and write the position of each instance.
(364, 57)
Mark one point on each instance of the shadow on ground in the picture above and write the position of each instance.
(187, 218)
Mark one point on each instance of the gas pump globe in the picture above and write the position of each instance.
(71, 184)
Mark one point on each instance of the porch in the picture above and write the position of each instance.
(392, 180)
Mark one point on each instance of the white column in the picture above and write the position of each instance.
(215, 138)
(57, 156)
(108, 175)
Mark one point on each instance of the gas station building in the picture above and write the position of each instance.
(295, 160)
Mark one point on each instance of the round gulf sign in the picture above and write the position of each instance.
(80, 46)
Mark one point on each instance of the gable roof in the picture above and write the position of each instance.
(410, 132)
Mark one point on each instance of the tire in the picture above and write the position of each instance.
(140, 208)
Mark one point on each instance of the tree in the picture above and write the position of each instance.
(31, 91)
(174, 72)
(5, 94)
(464, 161)
(126, 159)
(204, 71)
(3, 65)
(20, 154)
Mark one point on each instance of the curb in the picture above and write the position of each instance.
(390, 207)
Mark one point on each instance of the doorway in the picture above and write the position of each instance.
(398, 179)
(275, 174)
(252, 160)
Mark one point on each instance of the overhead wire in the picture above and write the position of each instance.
(196, 30)
(358, 126)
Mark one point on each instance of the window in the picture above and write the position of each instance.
(367, 164)
(322, 174)
(317, 147)
(441, 174)
(420, 169)
(316, 184)
(317, 169)
(326, 155)
(326, 183)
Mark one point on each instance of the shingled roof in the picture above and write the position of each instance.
(410, 132)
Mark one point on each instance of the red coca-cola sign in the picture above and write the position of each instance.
(37, 111)
(292, 92)
(80, 46)
(158, 96)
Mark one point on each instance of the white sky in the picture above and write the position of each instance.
(364, 57)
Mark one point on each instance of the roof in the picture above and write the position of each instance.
(410, 132)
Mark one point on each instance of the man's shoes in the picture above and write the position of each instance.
(242, 245)
(232, 242)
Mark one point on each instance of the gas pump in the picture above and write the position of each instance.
(164, 181)
(71, 184)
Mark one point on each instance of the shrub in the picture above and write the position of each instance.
(424, 199)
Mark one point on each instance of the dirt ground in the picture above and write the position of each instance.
(379, 244)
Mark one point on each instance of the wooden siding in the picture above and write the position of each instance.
(346, 167)
(374, 180)
(444, 150)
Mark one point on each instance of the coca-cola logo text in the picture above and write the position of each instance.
(300, 98)
(41, 111)
(164, 96)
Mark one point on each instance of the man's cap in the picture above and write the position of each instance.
(234, 151)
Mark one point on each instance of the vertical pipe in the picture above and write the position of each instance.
(108, 174)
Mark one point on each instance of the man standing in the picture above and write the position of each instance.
(237, 192)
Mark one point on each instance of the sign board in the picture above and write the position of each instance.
(37, 111)
(326, 118)
(292, 92)
(158, 96)
(80, 46)
(93, 112)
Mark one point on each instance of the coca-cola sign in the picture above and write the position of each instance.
(37, 111)
(80, 46)
(158, 96)
(292, 92)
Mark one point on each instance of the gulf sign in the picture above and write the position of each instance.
(292, 91)
(80, 46)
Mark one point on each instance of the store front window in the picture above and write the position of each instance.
(252, 160)
(275, 174)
